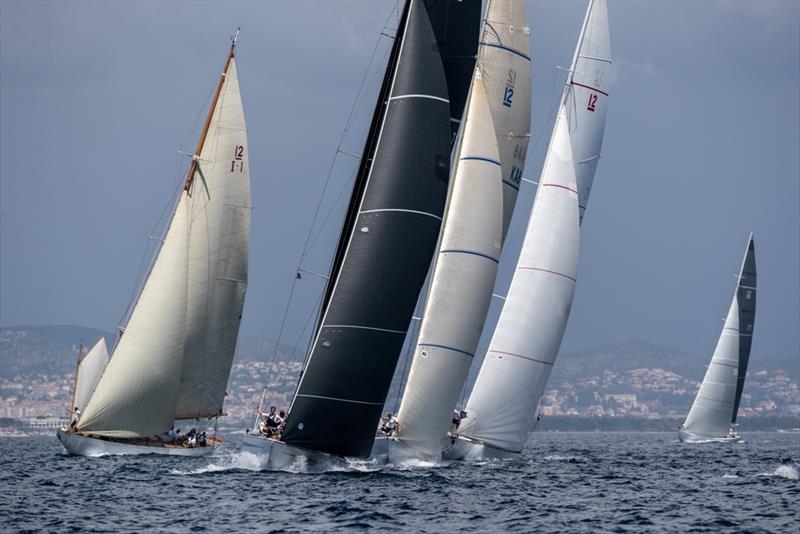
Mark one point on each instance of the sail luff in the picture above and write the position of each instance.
(343, 388)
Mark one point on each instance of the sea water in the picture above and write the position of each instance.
(563, 482)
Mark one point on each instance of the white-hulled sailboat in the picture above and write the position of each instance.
(173, 357)
(486, 169)
(713, 413)
(501, 408)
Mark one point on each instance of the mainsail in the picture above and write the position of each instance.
(502, 405)
(219, 244)
(174, 356)
(90, 367)
(505, 64)
(387, 241)
(717, 402)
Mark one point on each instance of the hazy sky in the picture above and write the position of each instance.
(701, 146)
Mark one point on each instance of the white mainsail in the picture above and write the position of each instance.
(525, 343)
(174, 357)
(717, 401)
(88, 373)
(461, 284)
(136, 394)
(502, 405)
(219, 230)
(505, 64)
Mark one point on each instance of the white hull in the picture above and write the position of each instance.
(689, 437)
(80, 445)
(465, 449)
(277, 455)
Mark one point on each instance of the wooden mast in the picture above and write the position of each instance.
(204, 132)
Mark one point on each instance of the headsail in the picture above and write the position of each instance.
(136, 394)
(461, 285)
(389, 236)
(502, 405)
(717, 401)
(88, 373)
(219, 244)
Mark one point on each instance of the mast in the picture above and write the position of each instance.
(204, 132)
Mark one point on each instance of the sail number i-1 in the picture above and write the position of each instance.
(508, 94)
(238, 159)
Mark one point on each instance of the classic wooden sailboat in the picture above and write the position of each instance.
(485, 174)
(173, 357)
(385, 248)
(502, 406)
(713, 413)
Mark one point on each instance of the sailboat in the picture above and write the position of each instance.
(385, 248)
(173, 357)
(486, 170)
(501, 408)
(713, 413)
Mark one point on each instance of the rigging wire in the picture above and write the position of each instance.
(357, 102)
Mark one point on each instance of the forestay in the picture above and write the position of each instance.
(525, 343)
(461, 285)
(219, 227)
(89, 370)
(389, 238)
(717, 402)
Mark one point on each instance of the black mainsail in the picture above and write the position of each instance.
(385, 249)
(456, 25)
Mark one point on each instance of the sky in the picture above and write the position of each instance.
(701, 146)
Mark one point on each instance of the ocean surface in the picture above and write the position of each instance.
(564, 482)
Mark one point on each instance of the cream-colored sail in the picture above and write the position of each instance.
(461, 285)
(89, 370)
(136, 394)
(219, 236)
(505, 64)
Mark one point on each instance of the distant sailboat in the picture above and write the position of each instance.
(173, 357)
(385, 249)
(713, 413)
(501, 408)
(487, 167)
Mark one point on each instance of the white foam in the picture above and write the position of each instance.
(233, 461)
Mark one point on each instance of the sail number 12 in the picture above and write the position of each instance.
(238, 159)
